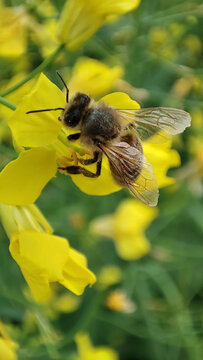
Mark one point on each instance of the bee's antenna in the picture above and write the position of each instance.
(67, 89)
(34, 111)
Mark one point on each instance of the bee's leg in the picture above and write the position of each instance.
(81, 170)
(75, 136)
(90, 161)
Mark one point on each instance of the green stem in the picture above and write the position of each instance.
(36, 71)
(7, 103)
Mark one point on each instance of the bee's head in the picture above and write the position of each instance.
(74, 110)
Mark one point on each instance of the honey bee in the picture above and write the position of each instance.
(118, 133)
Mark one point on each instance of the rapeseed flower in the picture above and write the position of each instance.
(117, 300)
(81, 19)
(44, 135)
(43, 257)
(93, 77)
(127, 228)
(13, 34)
(109, 275)
(86, 351)
(14, 97)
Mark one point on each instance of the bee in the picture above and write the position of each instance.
(118, 133)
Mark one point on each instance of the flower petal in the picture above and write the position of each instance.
(127, 211)
(116, 7)
(79, 23)
(103, 185)
(120, 100)
(87, 351)
(6, 350)
(162, 157)
(22, 180)
(38, 129)
(41, 257)
(129, 234)
(45, 258)
(93, 77)
(13, 33)
(132, 248)
(76, 274)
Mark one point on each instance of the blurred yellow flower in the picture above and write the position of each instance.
(86, 351)
(193, 43)
(126, 227)
(160, 43)
(81, 19)
(7, 346)
(196, 149)
(162, 158)
(93, 77)
(66, 303)
(109, 275)
(182, 86)
(44, 258)
(117, 300)
(12, 35)
(18, 23)
(197, 120)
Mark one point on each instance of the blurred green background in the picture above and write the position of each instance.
(159, 47)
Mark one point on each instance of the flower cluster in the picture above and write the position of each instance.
(55, 270)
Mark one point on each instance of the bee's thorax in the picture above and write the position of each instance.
(100, 124)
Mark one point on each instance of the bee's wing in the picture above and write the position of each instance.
(125, 160)
(161, 121)
(145, 187)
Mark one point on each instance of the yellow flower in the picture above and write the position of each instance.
(7, 346)
(117, 300)
(126, 227)
(108, 276)
(93, 77)
(193, 44)
(44, 258)
(16, 96)
(81, 19)
(87, 351)
(162, 158)
(66, 303)
(16, 23)
(12, 35)
(47, 138)
(29, 174)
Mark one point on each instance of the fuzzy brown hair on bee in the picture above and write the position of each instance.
(117, 133)
(97, 123)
